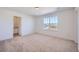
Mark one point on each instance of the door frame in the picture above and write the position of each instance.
(19, 26)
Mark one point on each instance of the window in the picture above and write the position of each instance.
(50, 22)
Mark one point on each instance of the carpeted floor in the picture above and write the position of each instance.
(37, 43)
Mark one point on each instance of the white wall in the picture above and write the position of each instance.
(6, 23)
(78, 27)
(75, 25)
(27, 25)
(65, 26)
(77, 10)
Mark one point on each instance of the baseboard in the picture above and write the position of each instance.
(78, 49)
(48, 35)
(28, 34)
(76, 42)
(56, 37)
(6, 39)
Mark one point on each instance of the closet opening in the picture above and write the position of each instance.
(16, 26)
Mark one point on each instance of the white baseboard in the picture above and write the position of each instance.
(78, 49)
(6, 39)
(28, 34)
(55, 36)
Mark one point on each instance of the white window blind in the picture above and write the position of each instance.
(50, 22)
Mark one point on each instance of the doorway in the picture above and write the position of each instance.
(17, 26)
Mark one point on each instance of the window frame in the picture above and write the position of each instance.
(49, 26)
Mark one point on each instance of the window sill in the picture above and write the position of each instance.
(50, 29)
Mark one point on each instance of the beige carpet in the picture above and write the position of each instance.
(38, 43)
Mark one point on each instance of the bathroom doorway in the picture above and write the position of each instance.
(17, 26)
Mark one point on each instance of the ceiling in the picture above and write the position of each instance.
(36, 12)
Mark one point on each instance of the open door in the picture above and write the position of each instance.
(17, 25)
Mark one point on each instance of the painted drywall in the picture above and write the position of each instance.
(65, 27)
(77, 10)
(27, 25)
(78, 29)
(75, 25)
(6, 27)
(6, 23)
